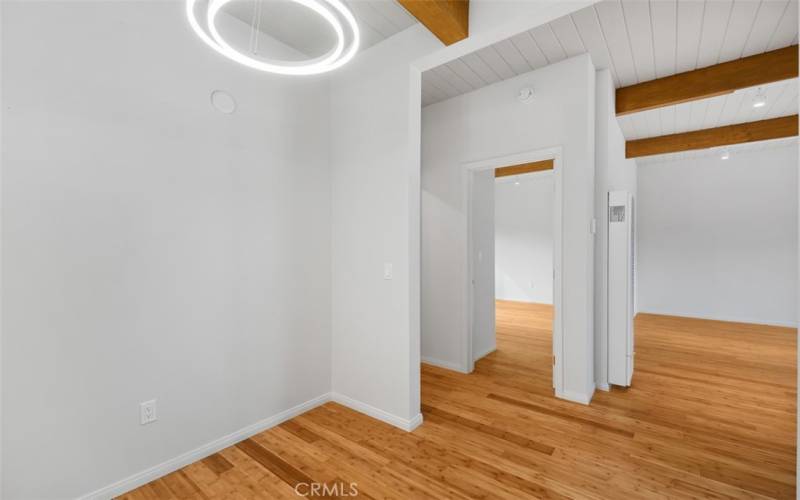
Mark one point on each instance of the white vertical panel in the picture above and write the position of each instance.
(715, 105)
(697, 114)
(367, 14)
(764, 26)
(640, 34)
(731, 109)
(530, 51)
(690, 20)
(668, 120)
(567, 34)
(642, 128)
(434, 80)
(625, 123)
(616, 34)
(461, 69)
(509, 52)
(445, 73)
(682, 117)
(394, 13)
(664, 17)
(715, 23)
(653, 119)
(491, 57)
(739, 26)
(480, 67)
(786, 30)
(592, 35)
(546, 40)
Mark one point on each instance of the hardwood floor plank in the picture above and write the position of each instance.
(711, 414)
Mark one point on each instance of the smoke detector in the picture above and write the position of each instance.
(525, 95)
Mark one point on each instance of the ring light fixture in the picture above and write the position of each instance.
(329, 10)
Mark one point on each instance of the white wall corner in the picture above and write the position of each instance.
(173, 464)
(576, 397)
(447, 365)
(384, 416)
(485, 352)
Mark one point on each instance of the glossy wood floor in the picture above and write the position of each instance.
(711, 414)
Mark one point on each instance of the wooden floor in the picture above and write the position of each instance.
(711, 414)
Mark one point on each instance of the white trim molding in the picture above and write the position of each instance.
(369, 410)
(576, 397)
(447, 365)
(162, 469)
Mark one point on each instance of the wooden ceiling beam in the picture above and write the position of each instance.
(525, 168)
(447, 19)
(775, 128)
(719, 79)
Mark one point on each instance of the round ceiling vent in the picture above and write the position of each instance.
(223, 101)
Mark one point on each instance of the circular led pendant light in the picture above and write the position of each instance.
(329, 10)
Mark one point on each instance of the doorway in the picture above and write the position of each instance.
(481, 286)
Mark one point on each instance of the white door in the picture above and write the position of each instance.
(482, 263)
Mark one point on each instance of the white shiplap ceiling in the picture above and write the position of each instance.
(637, 40)
(713, 112)
(732, 150)
(290, 23)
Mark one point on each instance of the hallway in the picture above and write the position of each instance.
(711, 414)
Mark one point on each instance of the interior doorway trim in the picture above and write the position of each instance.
(470, 169)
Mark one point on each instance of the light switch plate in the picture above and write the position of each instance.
(387, 271)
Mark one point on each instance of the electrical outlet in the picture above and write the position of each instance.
(387, 271)
(147, 412)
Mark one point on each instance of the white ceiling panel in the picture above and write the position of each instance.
(769, 16)
(546, 40)
(664, 21)
(640, 40)
(717, 152)
(740, 25)
(713, 31)
(714, 112)
(612, 22)
(377, 20)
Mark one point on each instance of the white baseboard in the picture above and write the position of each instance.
(729, 319)
(576, 397)
(153, 473)
(377, 413)
(447, 365)
(603, 387)
(486, 352)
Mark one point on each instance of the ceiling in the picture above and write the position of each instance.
(637, 40)
(290, 23)
(717, 152)
(713, 112)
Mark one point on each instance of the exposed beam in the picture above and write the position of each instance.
(763, 130)
(714, 80)
(447, 19)
(524, 168)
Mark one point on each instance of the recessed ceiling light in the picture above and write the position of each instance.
(760, 100)
(330, 10)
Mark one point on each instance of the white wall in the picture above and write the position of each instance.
(375, 186)
(489, 123)
(613, 172)
(718, 238)
(523, 229)
(152, 247)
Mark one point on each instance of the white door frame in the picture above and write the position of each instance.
(470, 168)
